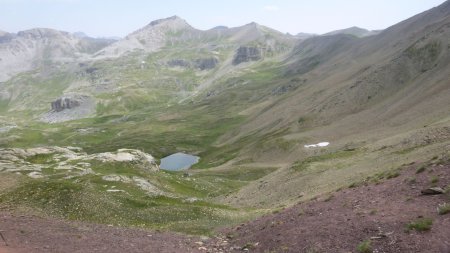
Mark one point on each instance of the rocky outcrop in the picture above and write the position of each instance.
(64, 103)
(70, 159)
(178, 63)
(206, 63)
(201, 63)
(70, 107)
(139, 158)
(246, 54)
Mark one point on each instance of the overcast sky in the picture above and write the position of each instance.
(121, 17)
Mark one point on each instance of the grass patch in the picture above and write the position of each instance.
(304, 164)
(328, 198)
(422, 224)
(364, 247)
(443, 208)
(40, 159)
(434, 180)
(447, 189)
(384, 175)
(421, 169)
(355, 184)
(85, 198)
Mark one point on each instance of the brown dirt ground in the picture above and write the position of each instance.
(26, 233)
(375, 212)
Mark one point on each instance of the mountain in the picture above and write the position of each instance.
(87, 71)
(151, 37)
(174, 31)
(274, 119)
(29, 49)
(303, 36)
(351, 90)
(355, 31)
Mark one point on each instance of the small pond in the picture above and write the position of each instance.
(178, 161)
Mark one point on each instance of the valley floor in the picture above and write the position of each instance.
(380, 212)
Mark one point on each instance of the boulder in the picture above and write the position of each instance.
(433, 191)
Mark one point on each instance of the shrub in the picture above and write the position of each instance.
(434, 179)
(423, 224)
(364, 247)
(392, 174)
(421, 169)
(444, 209)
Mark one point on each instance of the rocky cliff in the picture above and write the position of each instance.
(64, 103)
(246, 54)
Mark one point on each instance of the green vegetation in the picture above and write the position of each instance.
(41, 158)
(434, 180)
(421, 169)
(444, 208)
(364, 247)
(447, 189)
(328, 198)
(422, 224)
(174, 201)
(393, 173)
(304, 164)
(86, 198)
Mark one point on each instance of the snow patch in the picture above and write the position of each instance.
(318, 145)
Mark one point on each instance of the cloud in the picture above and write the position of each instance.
(271, 8)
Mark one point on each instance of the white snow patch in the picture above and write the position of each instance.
(318, 145)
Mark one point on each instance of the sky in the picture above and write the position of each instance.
(105, 18)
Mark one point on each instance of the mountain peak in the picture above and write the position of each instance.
(173, 19)
(253, 24)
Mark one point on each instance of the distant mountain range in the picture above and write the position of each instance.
(27, 49)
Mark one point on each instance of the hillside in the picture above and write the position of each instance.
(275, 120)
(368, 217)
(355, 31)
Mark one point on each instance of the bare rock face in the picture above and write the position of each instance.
(201, 63)
(64, 103)
(179, 63)
(246, 54)
(206, 63)
(137, 157)
(70, 107)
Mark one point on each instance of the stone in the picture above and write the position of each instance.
(432, 191)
